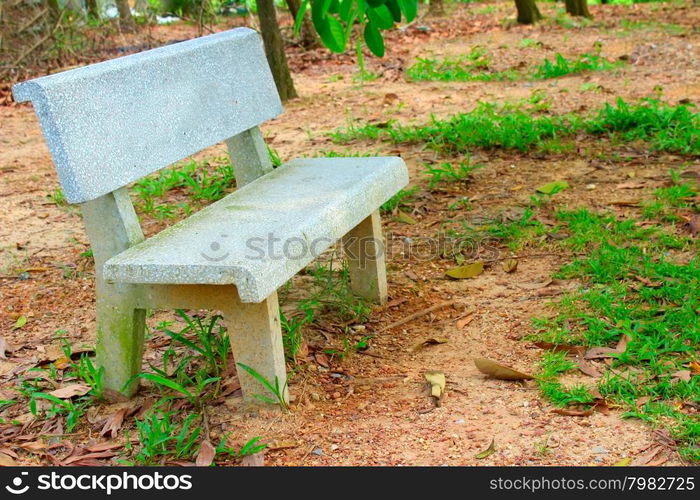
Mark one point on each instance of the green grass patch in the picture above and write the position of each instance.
(476, 67)
(490, 126)
(638, 284)
(468, 68)
(561, 66)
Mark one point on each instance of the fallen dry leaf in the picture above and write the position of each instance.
(254, 460)
(70, 391)
(7, 461)
(114, 423)
(82, 459)
(110, 445)
(499, 371)
(694, 367)
(405, 218)
(588, 368)
(3, 348)
(692, 225)
(205, 455)
(283, 445)
(623, 462)
(437, 383)
(488, 451)
(601, 352)
(322, 359)
(631, 185)
(466, 271)
(647, 456)
(510, 265)
(34, 446)
(642, 401)
(683, 375)
(465, 321)
(608, 352)
(428, 342)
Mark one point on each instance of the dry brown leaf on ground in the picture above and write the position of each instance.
(466, 271)
(54, 354)
(437, 383)
(683, 375)
(89, 457)
(70, 391)
(694, 367)
(510, 265)
(205, 455)
(34, 446)
(588, 368)
(7, 461)
(322, 359)
(601, 352)
(499, 371)
(631, 185)
(110, 445)
(405, 218)
(647, 456)
(114, 423)
(608, 352)
(283, 445)
(3, 348)
(254, 460)
(428, 342)
(488, 451)
(692, 225)
(461, 323)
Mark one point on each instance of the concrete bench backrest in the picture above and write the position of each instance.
(114, 122)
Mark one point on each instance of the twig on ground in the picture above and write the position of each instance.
(413, 316)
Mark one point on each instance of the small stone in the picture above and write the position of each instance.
(599, 450)
(336, 395)
(318, 451)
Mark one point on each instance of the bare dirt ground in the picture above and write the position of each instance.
(374, 408)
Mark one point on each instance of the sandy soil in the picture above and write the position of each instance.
(373, 408)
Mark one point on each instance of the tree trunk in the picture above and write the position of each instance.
(274, 49)
(74, 5)
(126, 22)
(577, 8)
(54, 9)
(92, 9)
(436, 8)
(528, 13)
(307, 33)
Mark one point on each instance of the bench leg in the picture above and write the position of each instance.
(256, 341)
(120, 332)
(364, 247)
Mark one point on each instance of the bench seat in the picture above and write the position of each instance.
(262, 234)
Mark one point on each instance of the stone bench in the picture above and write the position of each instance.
(112, 123)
